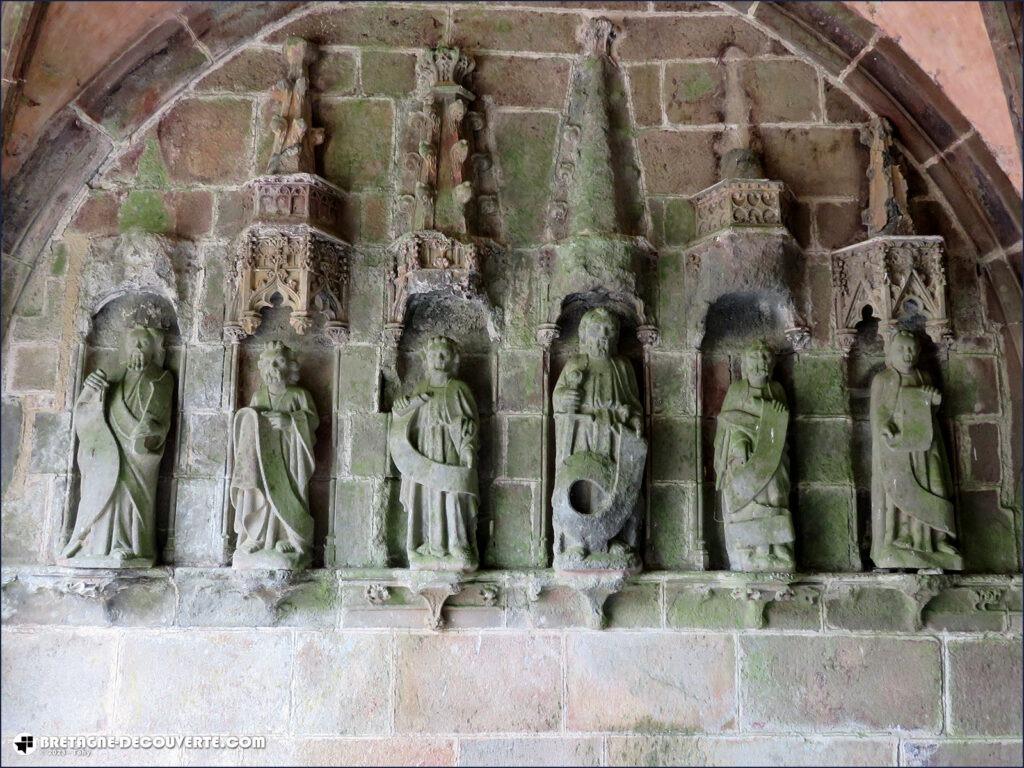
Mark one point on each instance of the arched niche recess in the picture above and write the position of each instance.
(317, 369)
(469, 322)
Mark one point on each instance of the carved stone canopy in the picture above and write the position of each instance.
(736, 203)
(897, 277)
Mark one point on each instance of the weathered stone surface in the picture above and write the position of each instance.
(953, 753)
(231, 598)
(839, 224)
(678, 163)
(203, 377)
(189, 149)
(793, 155)
(510, 525)
(368, 435)
(400, 27)
(871, 609)
(21, 533)
(31, 368)
(513, 81)
(197, 522)
(492, 29)
(985, 687)
(637, 605)
(37, 664)
(544, 751)
(674, 447)
(650, 682)
(371, 752)
(781, 91)
(519, 386)
(986, 533)
(673, 510)
(525, 144)
(352, 704)
(674, 391)
(645, 94)
(688, 37)
(819, 386)
(693, 93)
(983, 461)
(831, 684)
(10, 439)
(523, 447)
(970, 385)
(749, 751)
(390, 74)
(357, 152)
(254, 69)
(195, 669)
(487, 669)
(821, 451)
(51, 442)
(222, 25)
(207, 444)
(688, 608)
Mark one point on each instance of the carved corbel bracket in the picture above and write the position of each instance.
(434, 588)
(594, 590)
(897, 277)
(741, 203)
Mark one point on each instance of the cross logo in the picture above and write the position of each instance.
(25, 744)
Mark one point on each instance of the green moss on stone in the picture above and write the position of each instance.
(59, 264)
(152, 173)
(144, 211)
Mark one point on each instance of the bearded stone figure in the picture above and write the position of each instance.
(434, 436)
(752, 468)
(912, 518)
(273, 461)
(122, 424)
(600, 453)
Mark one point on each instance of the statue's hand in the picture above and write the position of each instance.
(468, 459)
(636, 425)
(277, 419)
(776, 407)
(569, 401)
(889, 432)
(934, 396)
(401, 403)
(97, 381)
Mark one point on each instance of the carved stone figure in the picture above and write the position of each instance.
(752, 468)
(294, 134)
(433, 440)
(912, 518)
(600, 453)
(273, 461)
(122, 425)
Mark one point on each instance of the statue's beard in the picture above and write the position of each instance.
(598, 349)
(274, 380)
(137, 360)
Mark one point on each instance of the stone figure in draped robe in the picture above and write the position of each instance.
(273, 461)
(122, 424)
(434, 436)
(752, 468)
(294, 134)
(599, 453)
(912, 518)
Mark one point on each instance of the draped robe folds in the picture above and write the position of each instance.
(910, 480)
(442, 426)
(121, 441)
(270, 479)
(752, 472)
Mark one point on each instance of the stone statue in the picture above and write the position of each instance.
(294, 135)
(600, 453)
(273, 461)
(752, 468)
(912, 520)
(122, 425)
(433, 440)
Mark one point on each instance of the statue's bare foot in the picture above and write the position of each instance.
(617, 548)
(120, 555)
(576, 551)
(902, 542)
(248, 547)
(946, 548)
(284, 548)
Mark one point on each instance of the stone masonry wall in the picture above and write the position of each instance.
(694, 666)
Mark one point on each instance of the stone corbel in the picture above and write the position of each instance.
(594, 590)
(434, 588)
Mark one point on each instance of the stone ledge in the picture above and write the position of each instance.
(398, 598)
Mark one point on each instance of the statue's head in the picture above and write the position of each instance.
(599, 332)
(903, 352)
(278, 366)
(143, 346)
(442, 355)
(757, 363)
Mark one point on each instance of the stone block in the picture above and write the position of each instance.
(211, 317)
(514, 81)
(694, 92)
(688, 608)
(221, 682)
(645, 94)
(204, 373)
(750, 750)
(985, 687)
(98, 214)
(674, 389)
(988, 539)
(253, 70)
(22, 523)
(970, 385)
(487, 671)
(651, 682)
(938, 754)
(354, 703)
(358, 378)
(523, 447)
(372, 752)
(32, 368)
(197, 522)
(832, 684)
(675, 450)
(366, 307)
(207, 141)
(558, 750)
(223, 25)
(353, 507)
(637, 605)
(680, 221)
(673, 510)
(802, 612)
(387, 27)
(207, 444)
(388, 73)
(646, 38)
(819, 386)
(357, 152)
(825, 523)
(500, 30)
(831, 34)
(53, 659)
(368, 433)
(839, 224)
(519, 381)
(798, 157)
(781, 91)
(10, 439)
(51, 442)
(820, 451)
(334, 73)
(678, 162)
(509, 543)
(525, 147)
(962, 610)
(983, 460)
(870, 609)
(242, 598)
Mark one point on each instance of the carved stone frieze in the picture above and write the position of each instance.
(299, 198)
(427, 262)
(898, 277)
(740, 203)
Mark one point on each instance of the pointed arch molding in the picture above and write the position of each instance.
(84, 136)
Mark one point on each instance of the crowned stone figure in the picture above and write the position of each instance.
(752, 468)
(434, 436)
(912, 519)
(273, 461)
(122, 423)
(600, 453)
